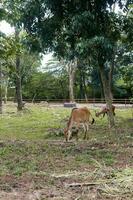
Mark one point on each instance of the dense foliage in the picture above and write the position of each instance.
(91, 31)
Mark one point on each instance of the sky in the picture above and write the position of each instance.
(8, 30)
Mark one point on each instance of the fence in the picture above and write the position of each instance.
(89, 100)
(102, 101)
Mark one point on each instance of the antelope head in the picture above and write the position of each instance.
(67, 134)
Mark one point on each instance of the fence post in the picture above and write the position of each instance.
(94, 102)
(125, 102)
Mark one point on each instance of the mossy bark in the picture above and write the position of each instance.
(107, 95)
(18, 76)
(0, 89)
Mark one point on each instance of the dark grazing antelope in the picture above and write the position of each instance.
(104, 111)
(79, 116)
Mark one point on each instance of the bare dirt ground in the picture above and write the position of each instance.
(81, 180)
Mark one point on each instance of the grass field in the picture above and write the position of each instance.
(37, 164)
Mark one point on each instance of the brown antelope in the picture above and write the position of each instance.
(104, 111)
(79, 116)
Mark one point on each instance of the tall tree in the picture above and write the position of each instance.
(71, 69)
(13, 14)
(90, 28)
(2, 14)
(0, 88)
(18, 73)
(5, 52)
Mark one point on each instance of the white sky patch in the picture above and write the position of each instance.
(6, 28)
(46, 58)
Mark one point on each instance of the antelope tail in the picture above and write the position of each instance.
(93, 120)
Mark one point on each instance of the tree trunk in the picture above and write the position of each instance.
(34, 97)
(18, 76)
(101, 84)
(85, 88)
(111, 74)
(107, 94)
(72, 66)
(81, 83)
(0, 89)
(110, 80)
(5, 90)
(71, 86)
